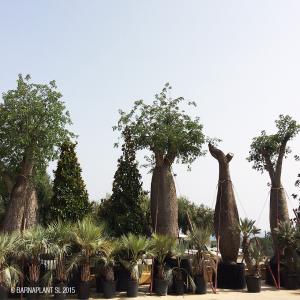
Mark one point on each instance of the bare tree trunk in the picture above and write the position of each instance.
(278, 209)
(226, 217)
(31, 208)
(164, 206)
(21, 212)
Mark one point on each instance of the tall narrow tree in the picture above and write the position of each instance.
(70, 201)
(32, 124)
(171, 135)
(267, 153)
(226, 217)
(123, 211)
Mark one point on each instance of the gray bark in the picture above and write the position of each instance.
(164, 206)
(226, 217)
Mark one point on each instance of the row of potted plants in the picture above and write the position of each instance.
(85, 246)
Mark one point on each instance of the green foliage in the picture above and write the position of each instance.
(287, 241)
(124, 211)
(163, 246)
(200, 215)
(267, 147)
(203, 262)
(135, 247)
(70, 198)
(9, 272)
(33, 123)
(44, 189)
(91, 241)
(164, 128)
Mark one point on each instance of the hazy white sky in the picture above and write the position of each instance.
(239, 60)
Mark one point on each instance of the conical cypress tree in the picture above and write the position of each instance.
(70, 197)
(123, 212)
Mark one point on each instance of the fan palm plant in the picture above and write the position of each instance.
(91, 242)
(248, 230)
(287, 241)
(107, 263)
(162, 247)
(34, 244)
(133, 247)
(59, 235)
(204, 263)
(180, 252)
(9, 272)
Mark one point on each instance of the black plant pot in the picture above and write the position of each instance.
(84, 290)
(179, 287)
(59, 291)
(291, 281)
(99, 285)
(231, 276)
(201, 286)
(109, 289)
(161, 286)
(3, 293)
(132, 288)
(253, 284)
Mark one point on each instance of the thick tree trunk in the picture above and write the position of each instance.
(164, 206)
(226, 217)
(22, 208)
(278, 209)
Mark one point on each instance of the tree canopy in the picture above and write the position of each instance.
(268, 151)
(200, 215)
(33, 123)
(164, 128)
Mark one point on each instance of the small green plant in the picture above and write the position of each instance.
(90, 239)
(34, 243)
(9, 271)
(163, 246)
(287, 241)
(134, 247)
(204, 263)
(180, 252)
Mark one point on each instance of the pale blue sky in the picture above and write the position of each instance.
(239, 60)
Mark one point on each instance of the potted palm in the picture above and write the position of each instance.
(252, 254)
(286, 234)
(179, 283)
(204, 263)
(133, 248)
(34, 243)
(254, 263)
(9, 273)
(91, 242)
(107, 264)
(163, 246)
(59, 237)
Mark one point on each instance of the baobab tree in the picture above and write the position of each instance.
(172, 136)
(226, 217)
(267, 153)
(32, 125)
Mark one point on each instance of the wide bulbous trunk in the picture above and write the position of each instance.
(226, 220)
(164, 206)
(23, 205)
(226, 217)
(278, 209)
